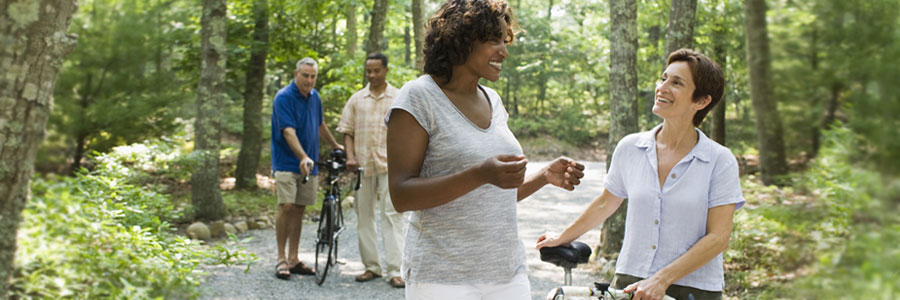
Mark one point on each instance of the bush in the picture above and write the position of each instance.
(97, 235)
(836, 238)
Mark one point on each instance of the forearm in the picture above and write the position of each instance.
(596, 213)
(417, 193)
(697, 256)
(348, 146)
(325, 133)
(290, 136)
(532, 183)
(718, 228)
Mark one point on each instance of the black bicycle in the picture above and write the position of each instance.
(331, 218)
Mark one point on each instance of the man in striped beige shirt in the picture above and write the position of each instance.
(365, 134)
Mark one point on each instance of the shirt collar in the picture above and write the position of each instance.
(702, 151)
(296, 91)
(388, 91)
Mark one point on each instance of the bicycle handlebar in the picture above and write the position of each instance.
(564, 292)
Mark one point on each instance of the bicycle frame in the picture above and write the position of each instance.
(331, 220)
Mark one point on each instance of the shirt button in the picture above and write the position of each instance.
(653, 247)
(656, 221)
(673, 176)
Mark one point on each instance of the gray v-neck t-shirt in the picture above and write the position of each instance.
(472, 239)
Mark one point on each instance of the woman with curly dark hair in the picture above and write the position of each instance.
(453, 161)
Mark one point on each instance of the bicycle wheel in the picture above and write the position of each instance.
(324, 241)
(338, 222)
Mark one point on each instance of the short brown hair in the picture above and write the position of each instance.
(708, 78)
(459, 23)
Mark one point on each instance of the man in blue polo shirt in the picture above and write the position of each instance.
(296, 127)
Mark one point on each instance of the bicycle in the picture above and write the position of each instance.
(568, 257)
(331, 218)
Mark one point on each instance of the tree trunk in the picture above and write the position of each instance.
(205, 194)
(680, 31)
(830, 115)
(376, 30)
(407, 43)
(251, 139)
(649, 98)
(351, 30)
(622, 99)
(418, 7)
(718, 113)
(33, 43)
(768, 123)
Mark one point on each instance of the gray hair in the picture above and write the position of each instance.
(307, 61)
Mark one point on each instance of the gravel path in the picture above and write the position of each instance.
(550, 209)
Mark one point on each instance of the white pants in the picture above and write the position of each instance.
(372, 196)
(516, 289)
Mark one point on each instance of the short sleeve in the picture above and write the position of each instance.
(282, 112)
(615, 182)
(725, 184)
(413, 99)
(348, 117)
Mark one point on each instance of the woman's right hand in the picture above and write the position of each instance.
(549, 240)
(505, 171)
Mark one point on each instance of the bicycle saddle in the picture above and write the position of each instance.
(566, 256)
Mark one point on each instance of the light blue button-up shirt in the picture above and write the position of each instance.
(662, 224)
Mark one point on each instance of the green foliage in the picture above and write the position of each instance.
(119, 86)
(857, 253)
(99, 235)
(834, 237)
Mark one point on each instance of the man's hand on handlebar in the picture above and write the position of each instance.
(352, 164)
(306, 166)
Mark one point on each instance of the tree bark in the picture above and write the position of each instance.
(623, 101)
(418, 8)
(375, 43)
(407, 42)
(351, 30)
(768, 123)
(251, 139)
(33, 43)
(718, 113)
(680, 31)
(827, 119)
(205, 194)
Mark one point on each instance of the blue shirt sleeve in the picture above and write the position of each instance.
(283, 113)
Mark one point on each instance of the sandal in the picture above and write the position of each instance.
(302, 269)
(282, 271)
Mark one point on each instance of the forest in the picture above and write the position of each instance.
(123, 121)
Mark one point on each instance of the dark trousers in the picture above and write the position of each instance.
(679, 292)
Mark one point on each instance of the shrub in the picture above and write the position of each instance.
(98, 235)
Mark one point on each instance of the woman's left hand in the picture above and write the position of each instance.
(647, 289)
(564, 172)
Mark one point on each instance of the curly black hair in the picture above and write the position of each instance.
(456, 25)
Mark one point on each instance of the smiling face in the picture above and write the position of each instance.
(486, 58)
(305, 78)
(675, 94)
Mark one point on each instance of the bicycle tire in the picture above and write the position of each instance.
(324, 241)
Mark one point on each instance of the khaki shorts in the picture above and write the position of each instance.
(289, 188)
